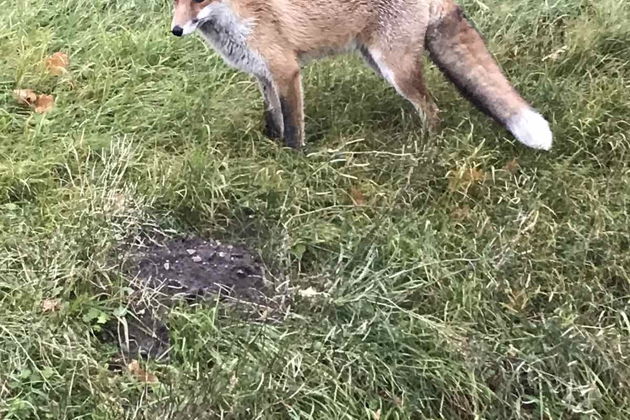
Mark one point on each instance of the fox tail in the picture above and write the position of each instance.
(459, 51)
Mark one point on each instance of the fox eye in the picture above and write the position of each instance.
(198, 1)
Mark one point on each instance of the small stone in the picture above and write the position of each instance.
(221, 254)
(196, 258)
(167, 265)
(191, 251)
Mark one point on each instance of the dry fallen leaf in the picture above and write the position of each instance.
(358, 198)
(308, 293)
(116, 202)
(512, 166)
(44, 104)
(40, 103)
(57, 64)
(25, 97)
(233, 382)
(51, 305)
(555, 56)
(376, 415)
(465, 178)
(141, 374)
(475, 175)
(264, 314)
(461, 213)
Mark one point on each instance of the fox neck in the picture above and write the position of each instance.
(228, 34)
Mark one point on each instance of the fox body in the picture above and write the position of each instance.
(271, 39)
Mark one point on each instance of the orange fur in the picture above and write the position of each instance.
(271, 38)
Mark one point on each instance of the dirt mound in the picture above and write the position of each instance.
(198, 269)
(191, 270)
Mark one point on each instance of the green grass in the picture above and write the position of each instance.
(506, 298)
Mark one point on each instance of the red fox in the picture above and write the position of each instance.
(271, 39)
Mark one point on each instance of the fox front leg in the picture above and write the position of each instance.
(288, 83)
(274, 123)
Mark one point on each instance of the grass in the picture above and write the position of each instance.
(460, 289)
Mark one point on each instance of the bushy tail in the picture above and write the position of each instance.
(461, 54)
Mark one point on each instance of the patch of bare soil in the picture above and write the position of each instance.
(191, 270)
(197, 269)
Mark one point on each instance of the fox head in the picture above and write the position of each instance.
(189, 14)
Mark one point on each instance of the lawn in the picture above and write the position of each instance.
(450, 275)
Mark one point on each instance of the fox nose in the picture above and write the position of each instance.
(178, 30)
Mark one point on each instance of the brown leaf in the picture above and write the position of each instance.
(51, 305)
(57, 64)
(44, 104)
(117, 202)
(461, 213)
(141, 374)
(40, 103)
(465, 178)
(476, 175)
(358, 198)
(512, 166)
(26, 97)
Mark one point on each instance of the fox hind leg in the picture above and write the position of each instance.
(287, 79)
(405, 73)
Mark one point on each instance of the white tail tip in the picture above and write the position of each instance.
(531, 129)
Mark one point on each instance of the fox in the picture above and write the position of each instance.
(272, 40)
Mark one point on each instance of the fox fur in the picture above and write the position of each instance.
(271, 39)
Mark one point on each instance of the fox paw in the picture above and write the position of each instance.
(271, 129)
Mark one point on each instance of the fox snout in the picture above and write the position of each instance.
(185, 29)
(188, 15)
